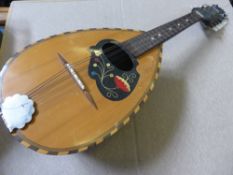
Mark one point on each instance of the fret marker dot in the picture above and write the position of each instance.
(187, 20)
(159, 35)
(152, 38)
(170, 28)
(178, 24)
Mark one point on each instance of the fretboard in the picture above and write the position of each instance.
(148, 40)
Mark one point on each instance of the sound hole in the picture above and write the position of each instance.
(117, 56)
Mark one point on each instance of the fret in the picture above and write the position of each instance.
(144, 42)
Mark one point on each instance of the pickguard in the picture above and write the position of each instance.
(113, 82)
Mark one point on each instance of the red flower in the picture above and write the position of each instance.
(122, 84)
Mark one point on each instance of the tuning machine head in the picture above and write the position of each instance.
(213, 17)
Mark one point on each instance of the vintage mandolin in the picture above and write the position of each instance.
(85, 85)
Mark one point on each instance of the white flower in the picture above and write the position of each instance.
(17, 110)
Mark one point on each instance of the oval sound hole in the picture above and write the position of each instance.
(117, 56)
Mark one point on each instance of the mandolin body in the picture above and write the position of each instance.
(64, 121)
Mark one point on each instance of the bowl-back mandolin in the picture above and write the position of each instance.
(85, 85)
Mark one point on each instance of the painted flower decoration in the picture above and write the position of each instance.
(122, 84)
(113, 82)
(17, 110)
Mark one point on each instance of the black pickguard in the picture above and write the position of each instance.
(114, 70)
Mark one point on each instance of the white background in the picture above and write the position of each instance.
(186, 127)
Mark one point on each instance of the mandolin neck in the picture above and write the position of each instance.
(148, 40)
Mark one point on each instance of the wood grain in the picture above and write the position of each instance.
(65, 121)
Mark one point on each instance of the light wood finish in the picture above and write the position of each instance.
(3, 15)
(65, 121)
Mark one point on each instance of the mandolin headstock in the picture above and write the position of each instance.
(213, 17)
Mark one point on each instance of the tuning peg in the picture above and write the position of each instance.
(220, 25)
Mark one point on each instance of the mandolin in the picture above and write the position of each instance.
(86, 84)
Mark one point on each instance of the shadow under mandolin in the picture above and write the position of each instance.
(147, 136)
(152, 129)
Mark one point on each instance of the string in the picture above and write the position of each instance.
(114, 51)
(56, 76)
